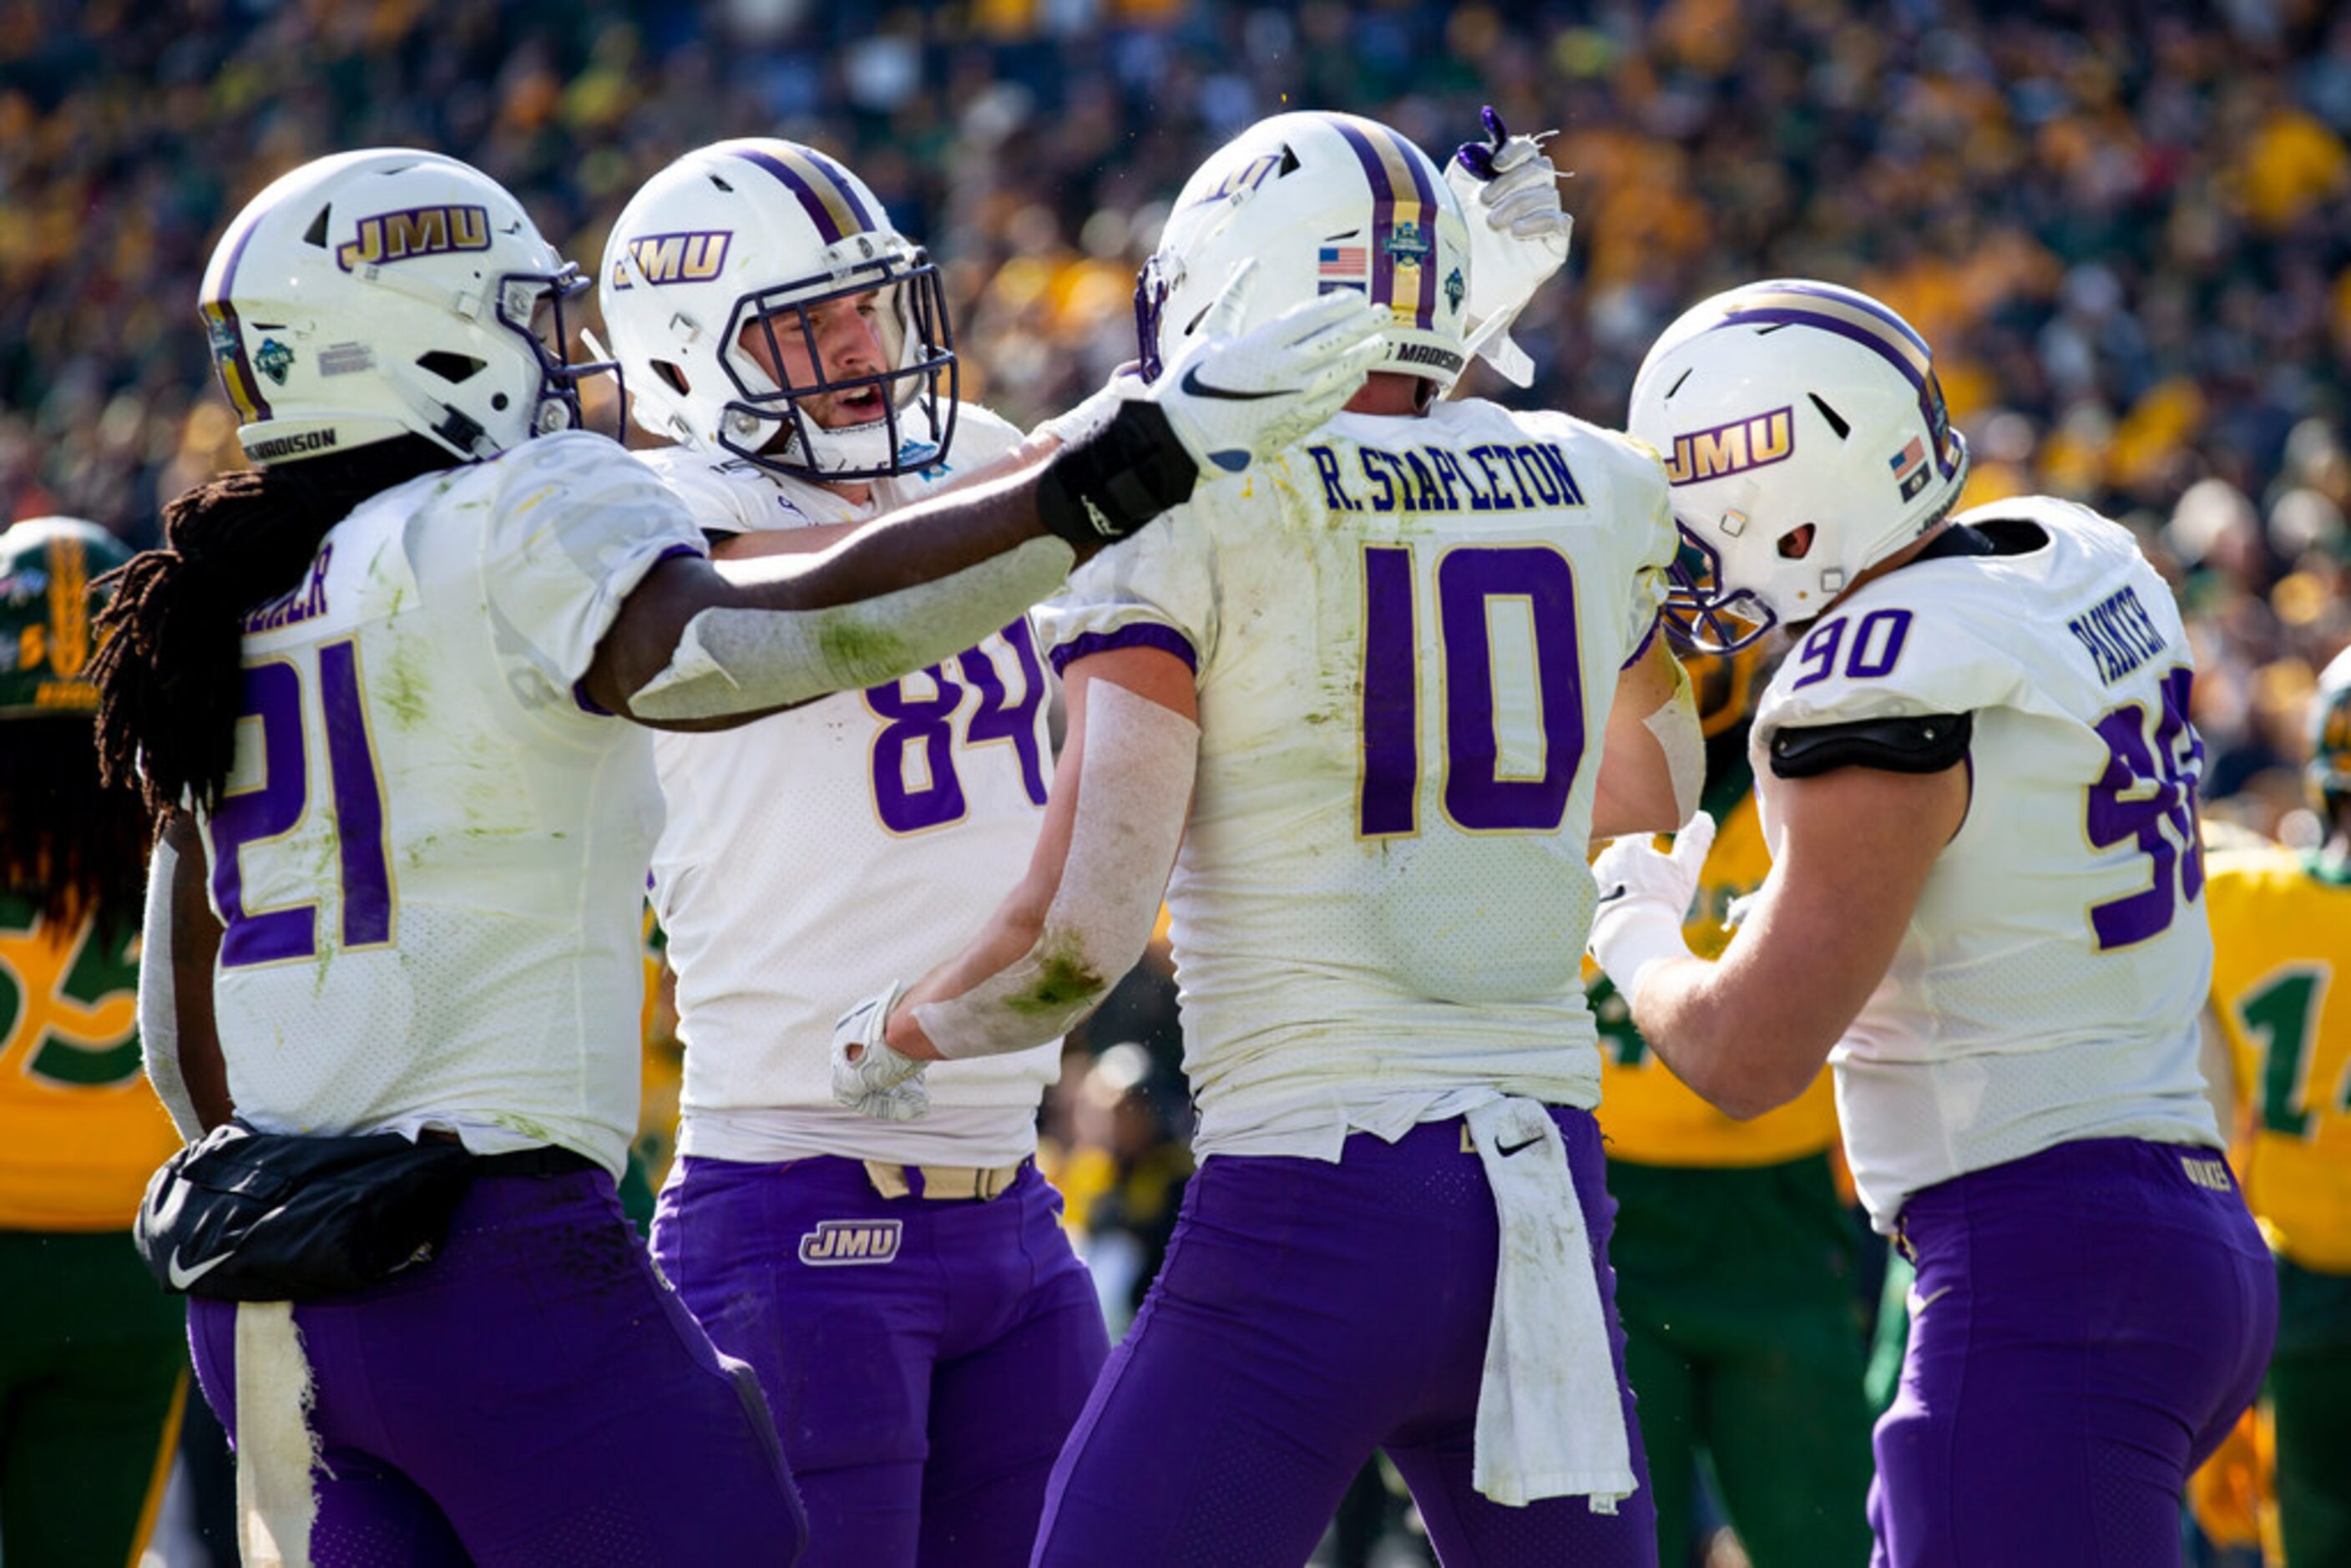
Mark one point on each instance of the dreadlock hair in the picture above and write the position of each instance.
(68, 845)
(168, 673)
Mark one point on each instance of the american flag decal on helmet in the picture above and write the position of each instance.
(1909, 466)
(1341, 267)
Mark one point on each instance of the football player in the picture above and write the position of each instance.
(923, 1330)
(2281, 935)
(1358, 700)
(1733, 1248)
(93, 1359)
(1977, 778)
(381, 682)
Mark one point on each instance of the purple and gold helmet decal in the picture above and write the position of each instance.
(1874, 328)
(1403, 250)
(382, 238)
(820, 186)
(1735, 446)
(691, 257)
(226, 336)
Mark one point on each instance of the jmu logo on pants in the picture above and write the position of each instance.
(835, 1242)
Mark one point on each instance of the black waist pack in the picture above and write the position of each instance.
(245, 1216)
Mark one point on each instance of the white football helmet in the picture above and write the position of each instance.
(1320, 201)
(1783, 403)
(390, 292)
(737, 237)
(2329, 772)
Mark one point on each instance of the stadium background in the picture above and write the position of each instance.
(2125, 224)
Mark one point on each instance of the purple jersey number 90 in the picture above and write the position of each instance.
(2147, 794)
(274, 808)
(1478, 795)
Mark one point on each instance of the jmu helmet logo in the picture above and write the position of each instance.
(415, 231)
(836, 1242)
(1248, 177)
(694, 256)
(272, 360)
(1732, 448)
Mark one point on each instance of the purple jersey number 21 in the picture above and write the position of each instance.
(1478, 795)
(273, 696)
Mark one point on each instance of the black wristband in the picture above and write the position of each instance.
(1117, 479)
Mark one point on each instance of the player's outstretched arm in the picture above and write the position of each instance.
(1653, 766)
(698, 647)
(182, 939)
(1082, 916)
(1750, 1030)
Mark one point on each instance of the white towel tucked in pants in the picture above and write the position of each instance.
(1550, 1422)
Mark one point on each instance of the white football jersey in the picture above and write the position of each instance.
(2047, 987)
(815, 856)
(1407, 635)
(428, 857)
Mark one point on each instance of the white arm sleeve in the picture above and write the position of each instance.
(1682, 737)
(1134, 791)
(731, 661)
(159, 1013)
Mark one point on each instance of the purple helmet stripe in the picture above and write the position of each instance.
(827, 226)
(229, 323)
(848, 193)
(1382, 210)
(1424, 314)
(1931, 407)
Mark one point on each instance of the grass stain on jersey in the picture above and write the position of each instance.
(1064, 979)
(852, 644)
(403, 688)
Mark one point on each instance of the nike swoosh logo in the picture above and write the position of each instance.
(1507, 1150)
(1613, 893)
(1195, 387)
(183, 1278)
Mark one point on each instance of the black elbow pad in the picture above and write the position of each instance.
(1924, 743)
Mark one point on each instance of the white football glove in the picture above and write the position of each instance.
(1234, 399)
(1518, 237)
(1644, 896)
(881, 1082)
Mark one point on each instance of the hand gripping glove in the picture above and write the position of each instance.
(879, 1083)
(1233, 399)
(1644, 896)
(1518, 237)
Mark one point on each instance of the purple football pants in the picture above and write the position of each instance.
(533, 1394)
(925, 1358)
(2087, 1325)
(1306, 1315)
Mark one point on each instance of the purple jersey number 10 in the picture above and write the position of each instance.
(2147, 793)
(1476, 794)
(274, 808)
